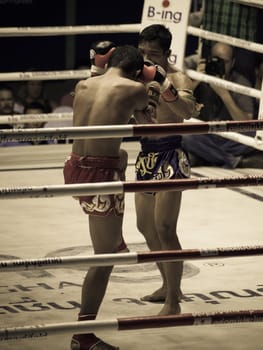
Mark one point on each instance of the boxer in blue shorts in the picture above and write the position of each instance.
(163, 158)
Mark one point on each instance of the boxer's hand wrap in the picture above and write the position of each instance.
(99, 55)
(157, 73)
(153, 92)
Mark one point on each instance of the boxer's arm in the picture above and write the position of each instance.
(176, 91)
(147, 111)
(185, 105)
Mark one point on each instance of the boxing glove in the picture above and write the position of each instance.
(152, 72)
(100, 52)
(155, 72)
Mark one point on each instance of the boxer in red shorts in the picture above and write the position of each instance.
(96, 169)
(109, 98)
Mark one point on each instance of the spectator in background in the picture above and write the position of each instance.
(34, 91)
(61, 123)
(221, 104)
(7, 103)
(34, 108)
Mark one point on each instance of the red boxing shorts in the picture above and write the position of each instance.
(96, 169)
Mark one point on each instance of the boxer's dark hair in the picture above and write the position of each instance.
(159, 33)
(126, 57)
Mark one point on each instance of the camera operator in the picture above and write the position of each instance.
(220, 104)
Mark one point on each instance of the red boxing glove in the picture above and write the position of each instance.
(100, 53)
(152, 72)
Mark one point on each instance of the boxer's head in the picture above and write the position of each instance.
(129, 59)
(154, 44)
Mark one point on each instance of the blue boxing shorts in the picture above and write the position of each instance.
(162, 159)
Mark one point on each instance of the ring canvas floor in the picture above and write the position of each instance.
(57, 227)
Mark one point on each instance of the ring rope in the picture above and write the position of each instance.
(15, 265)
(69, 30)
(120, 28)
(205, 34)
(116, 131)
(41, 117)
(242, 89)
(46, 75)
(84, 73)
(132, 323)
(256, 3)
(46, 117)
(29, 118)
(51, 191)
(235, 136)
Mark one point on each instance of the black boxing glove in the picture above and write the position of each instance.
(100, 52)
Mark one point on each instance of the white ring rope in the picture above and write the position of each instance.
(84, 73)
(253, 142)
(46, 75)
(205, 34)
(28, 118)
(110, 187)
(69, 30)
(129, 258)
(46, 117)
(255, 3)
(242, 89)
(116, 131)
(120, 28)
(132, 323)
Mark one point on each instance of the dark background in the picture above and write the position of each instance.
(62, 52)
(65, 51)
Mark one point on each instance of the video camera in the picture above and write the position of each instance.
(215, 66)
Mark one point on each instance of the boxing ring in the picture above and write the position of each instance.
(246, 316)
(23, 195)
